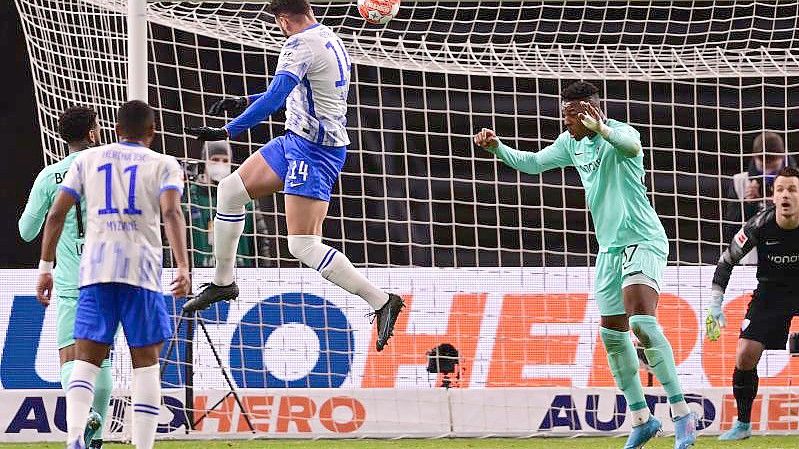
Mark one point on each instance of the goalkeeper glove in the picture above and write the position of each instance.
(234, 106)
(715, 316)
(206, 133)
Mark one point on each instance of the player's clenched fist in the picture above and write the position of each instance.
(486, 139)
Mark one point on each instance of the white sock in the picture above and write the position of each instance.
(80, 395)
(146, 399)
(640, 416)
(232, 196)
(335, 267)
(679, 409)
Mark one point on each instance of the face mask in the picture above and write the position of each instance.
(217, 170)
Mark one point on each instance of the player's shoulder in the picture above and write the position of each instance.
(317, 35)
(762, 219)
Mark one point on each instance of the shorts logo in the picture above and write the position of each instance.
(741, 238)
(745, 324)
(298, 173)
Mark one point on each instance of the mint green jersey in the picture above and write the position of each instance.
(613, 182)
(70, 245)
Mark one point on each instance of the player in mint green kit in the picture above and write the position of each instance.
(633, 248)
(79, 128)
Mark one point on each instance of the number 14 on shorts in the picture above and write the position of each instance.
(297, 174)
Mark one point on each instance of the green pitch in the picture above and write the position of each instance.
(494, 443)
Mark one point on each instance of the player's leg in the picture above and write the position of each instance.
(304, 217)
(642, 271)
(744, 387)
(622, 356)
(260, 175)
(65, 329)
(95, 321)
(147, 325)
(767, 324)
(312, 171)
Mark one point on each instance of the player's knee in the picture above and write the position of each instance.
(231, 193)
(304, 248)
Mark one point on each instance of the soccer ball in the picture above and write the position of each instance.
(378, 12)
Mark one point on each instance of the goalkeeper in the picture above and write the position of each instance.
(79, 128)
(632, 248)
(775, 233)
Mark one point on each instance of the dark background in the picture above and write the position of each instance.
(19, 134)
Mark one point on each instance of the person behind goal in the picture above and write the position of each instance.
(774, 232)
(127, 187)
(79, 128)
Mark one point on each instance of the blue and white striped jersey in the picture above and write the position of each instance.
(317, 108)
(122, 185)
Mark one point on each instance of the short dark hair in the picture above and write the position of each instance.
(578, 90)
(768, 142)
(75, 123)
(291, 7)
(135, 119)
(789, 172)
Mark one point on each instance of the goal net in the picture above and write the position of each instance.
(494, 262)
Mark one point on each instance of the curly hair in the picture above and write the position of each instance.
(578, 90)
(291, 7)
(75, 123)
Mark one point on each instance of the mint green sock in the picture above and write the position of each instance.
(66, 373)
(623, 361)
(659, 355)
(102, 394)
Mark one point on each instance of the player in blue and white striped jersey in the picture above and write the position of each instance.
(127, 188)
(312, 80)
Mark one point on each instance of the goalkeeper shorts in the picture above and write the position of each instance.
(768, 317)
(307, 169)
(621, 267)
(142, 312)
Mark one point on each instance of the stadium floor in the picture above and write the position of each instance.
(775, 442)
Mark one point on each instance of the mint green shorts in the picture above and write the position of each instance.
(65, 322)
(618, 268)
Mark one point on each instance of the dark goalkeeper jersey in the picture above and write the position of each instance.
(777, 253)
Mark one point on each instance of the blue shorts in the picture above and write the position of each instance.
(307, 169)
(142, 312)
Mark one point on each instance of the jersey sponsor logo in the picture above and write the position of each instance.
(591, 166)
(771, 242)
(783, 259)
(741, 238)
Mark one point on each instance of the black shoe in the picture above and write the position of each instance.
(386, 317)
(96, 444)
(211, 294)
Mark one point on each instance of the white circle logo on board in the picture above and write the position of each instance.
(291, 351)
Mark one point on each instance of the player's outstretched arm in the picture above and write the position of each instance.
(52, 231)
(175, 228)
(553, 156)
(623, 138)
(265, 105)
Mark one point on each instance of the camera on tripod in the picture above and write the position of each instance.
(793, 344)
(444, 360)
